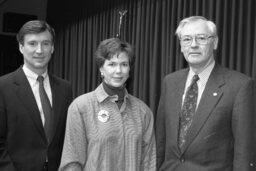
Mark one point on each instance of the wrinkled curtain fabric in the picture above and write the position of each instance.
(149, 25)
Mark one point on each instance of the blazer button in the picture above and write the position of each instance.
(182, 160)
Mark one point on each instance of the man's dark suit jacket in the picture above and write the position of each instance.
(23, 143)
(222, 135)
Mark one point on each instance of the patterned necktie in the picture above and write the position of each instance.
(45, 105)
(188, 110)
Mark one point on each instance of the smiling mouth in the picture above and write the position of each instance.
(195, 53)
(118, 79)
(39, 57)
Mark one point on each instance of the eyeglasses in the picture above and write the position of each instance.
(201, 39)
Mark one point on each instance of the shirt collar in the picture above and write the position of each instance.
(29, 73)
(101, 94)
(203, 75)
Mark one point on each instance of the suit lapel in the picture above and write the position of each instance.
(209, 99)
(174, 106)
(56, 101)
(26, 96)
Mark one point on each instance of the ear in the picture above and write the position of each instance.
(101, 73)
(101, 69)
(216, 40)
(52, 49)
(21, 48)
(182, 49)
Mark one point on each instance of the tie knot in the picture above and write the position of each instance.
(40, 79)
(195, 78)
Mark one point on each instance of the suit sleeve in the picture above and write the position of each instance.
(243, 125)
(160, 128)
(6, 163)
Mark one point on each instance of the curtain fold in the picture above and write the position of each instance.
(149, 25)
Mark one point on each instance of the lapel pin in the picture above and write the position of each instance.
(215, 94)
(103, 116)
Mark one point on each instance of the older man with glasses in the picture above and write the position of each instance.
(205, 119)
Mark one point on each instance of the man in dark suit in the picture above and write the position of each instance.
(206, 114)
(33, 113)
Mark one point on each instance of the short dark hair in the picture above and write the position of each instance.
(109, 47)
(34, 27)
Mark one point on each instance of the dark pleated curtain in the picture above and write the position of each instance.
(149, 25)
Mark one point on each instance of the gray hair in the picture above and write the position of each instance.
(209, 24)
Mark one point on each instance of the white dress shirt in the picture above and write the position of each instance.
(32, 79)
(203, 78)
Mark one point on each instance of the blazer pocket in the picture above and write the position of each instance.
(209, 135)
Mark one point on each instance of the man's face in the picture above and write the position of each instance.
(37, 50)
(198, 54)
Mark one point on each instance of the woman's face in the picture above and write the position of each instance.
(116, 70)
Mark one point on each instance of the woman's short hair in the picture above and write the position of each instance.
(110, 47)
(34, 27)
